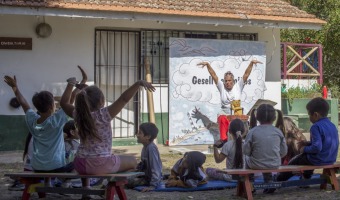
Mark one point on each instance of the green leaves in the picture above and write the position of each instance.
(300, 92)
(328, 36)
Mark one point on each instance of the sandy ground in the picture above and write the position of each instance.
(11, 162)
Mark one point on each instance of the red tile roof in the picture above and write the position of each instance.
(268, 10)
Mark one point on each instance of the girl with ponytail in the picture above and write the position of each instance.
(93, 121)
(231, 151)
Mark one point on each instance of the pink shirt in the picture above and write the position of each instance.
(96, 148)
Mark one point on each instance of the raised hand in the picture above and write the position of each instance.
(256, 62)
(12, 82)
(72, 81)
(84, 75)
(203, 64)
(81, 86)
(147, 86)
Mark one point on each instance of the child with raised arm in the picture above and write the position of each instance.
(151, 163)
(93, 119)
(46, 129)
(265, 144)
(188, 171)
(231, 151)
(322, 149)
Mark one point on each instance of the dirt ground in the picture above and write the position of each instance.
(168, 160)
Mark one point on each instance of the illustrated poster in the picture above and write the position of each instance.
(194, 100)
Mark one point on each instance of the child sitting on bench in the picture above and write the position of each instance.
(231, 151)
(151, 163)
(324, 140)
(46, 129)
(188, 171)
(265, 144)
(293, 137)
(93, 119)
(71, 139)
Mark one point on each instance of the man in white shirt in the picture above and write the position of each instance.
(229, 91)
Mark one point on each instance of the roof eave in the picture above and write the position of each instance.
(179, 17)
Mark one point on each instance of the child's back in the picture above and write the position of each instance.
(93, 119)
(48, 140)
(231, 151)
(324, 139)
(322, 149)
(264, 146)
(45, 127)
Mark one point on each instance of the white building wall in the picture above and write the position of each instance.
(54, 59)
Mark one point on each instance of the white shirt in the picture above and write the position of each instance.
(227, 96)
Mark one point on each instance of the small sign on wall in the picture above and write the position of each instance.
(15, 43)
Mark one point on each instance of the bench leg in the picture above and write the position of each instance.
(26, 194)
(240, 188)
(332, 178)
(41, 194)
(244, 188)
(248, 187)
(116, 187)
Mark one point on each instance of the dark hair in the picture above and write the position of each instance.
(237, 129)
(293, 135)
(27, 143)
(43, 101)
(266, 114)
(88, 100)
(194, 160)
(68, 126)
(318, 105)
(149, 129)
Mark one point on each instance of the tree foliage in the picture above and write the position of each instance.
(328, 36)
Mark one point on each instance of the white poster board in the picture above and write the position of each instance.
(194, 100)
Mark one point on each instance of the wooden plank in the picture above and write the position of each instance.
(70, 190)
(286, 168)
(302, 59)
(72, 175)
(302, 74)
(302, 182)
(267, 185)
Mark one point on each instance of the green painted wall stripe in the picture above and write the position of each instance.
(13, 132)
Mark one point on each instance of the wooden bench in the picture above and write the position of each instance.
(33, 184)
(244, 186)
